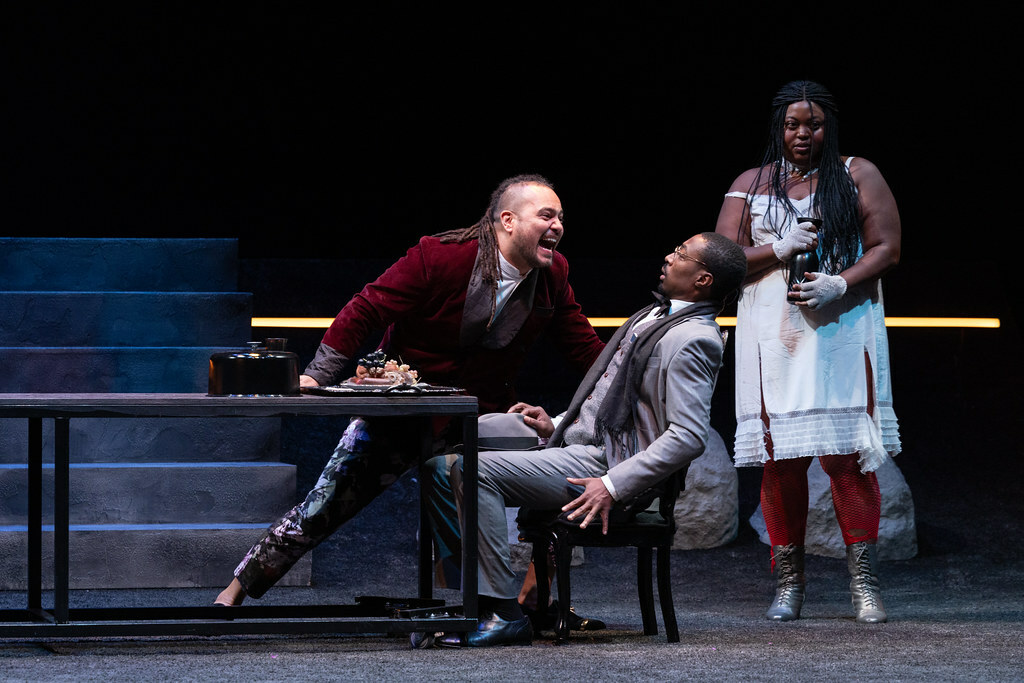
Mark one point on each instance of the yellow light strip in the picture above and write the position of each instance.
(321, 323)
(724, 321)
(990, 323)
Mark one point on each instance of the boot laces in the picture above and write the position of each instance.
(865, 584)
(788, 592)
(868, 594)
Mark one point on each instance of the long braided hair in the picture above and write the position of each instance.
(835, 198)
(484, 230)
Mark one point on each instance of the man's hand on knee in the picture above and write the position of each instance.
(594, 501)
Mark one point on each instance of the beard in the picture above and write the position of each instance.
(526, 249)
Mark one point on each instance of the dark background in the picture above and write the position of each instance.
(344, 134)
(336, 132)
(327, 140)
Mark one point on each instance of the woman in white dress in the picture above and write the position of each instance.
(812, 360)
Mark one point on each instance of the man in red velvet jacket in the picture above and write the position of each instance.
(462, 308)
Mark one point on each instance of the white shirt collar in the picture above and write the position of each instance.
(677, 305)
(507, 272)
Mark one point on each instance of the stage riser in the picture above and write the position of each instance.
(142, 558)
(141, 440)
(87, 319)
(118, 265)
(135, 316)
(174, 493)
(183, 369)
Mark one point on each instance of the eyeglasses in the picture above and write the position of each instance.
(678, 251)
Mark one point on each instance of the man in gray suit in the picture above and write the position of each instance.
(641, 414)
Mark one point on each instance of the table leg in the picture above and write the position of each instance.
(426, 588)
(61, 517)
(470, 540)
(35, 513)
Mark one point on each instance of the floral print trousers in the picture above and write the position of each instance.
(371, 455)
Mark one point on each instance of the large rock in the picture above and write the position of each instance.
(897, 533)
(707, 511)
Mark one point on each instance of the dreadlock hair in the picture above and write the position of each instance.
(484, 230)
(835, 198)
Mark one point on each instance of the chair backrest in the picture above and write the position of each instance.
(670, 492)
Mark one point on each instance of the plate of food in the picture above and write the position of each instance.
(377, 374)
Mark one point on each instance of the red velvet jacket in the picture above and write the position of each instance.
(420, 301)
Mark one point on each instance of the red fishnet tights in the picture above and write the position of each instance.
(855, 497)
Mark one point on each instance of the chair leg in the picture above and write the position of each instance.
(668, 608)
(645, 589)
(540, 572)
(563, 560)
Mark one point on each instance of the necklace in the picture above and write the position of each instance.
(788, 170)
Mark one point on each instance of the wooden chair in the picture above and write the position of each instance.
(645, 528)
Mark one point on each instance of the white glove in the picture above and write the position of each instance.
(819, 289)
(799, 238)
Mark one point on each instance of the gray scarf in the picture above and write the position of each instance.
(615, 416)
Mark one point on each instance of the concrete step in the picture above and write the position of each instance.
(141, 440)
(157, 493)
(37, 319)
(171, 369)
(83, 264)
(155, 503)
(142, 556)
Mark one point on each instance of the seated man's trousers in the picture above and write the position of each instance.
(535, 479)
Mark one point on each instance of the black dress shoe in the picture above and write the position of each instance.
(490, 632)
(497, 631)
(545, 621)
(451, 639)
(578, 623)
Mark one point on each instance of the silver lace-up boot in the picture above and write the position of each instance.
(861, 559)
(789, 589)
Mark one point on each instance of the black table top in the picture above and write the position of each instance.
(203, 405)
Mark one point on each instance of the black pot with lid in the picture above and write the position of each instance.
(264, 369)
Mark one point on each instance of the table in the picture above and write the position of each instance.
(371, 616)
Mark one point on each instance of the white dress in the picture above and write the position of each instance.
(810, 366)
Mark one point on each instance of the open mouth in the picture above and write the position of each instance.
(548, 243)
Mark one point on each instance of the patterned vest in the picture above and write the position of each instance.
(583, 430)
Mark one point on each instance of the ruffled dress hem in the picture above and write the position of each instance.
(815, 433)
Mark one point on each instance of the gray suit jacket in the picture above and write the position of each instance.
(672, 415)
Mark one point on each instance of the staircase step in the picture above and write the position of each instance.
(157, 503)
(142, 556)
(116, 264)
(124, 318)
(106, 369)
(140, 440)
(157, 493)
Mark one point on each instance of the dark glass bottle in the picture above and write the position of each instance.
(803, 262)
